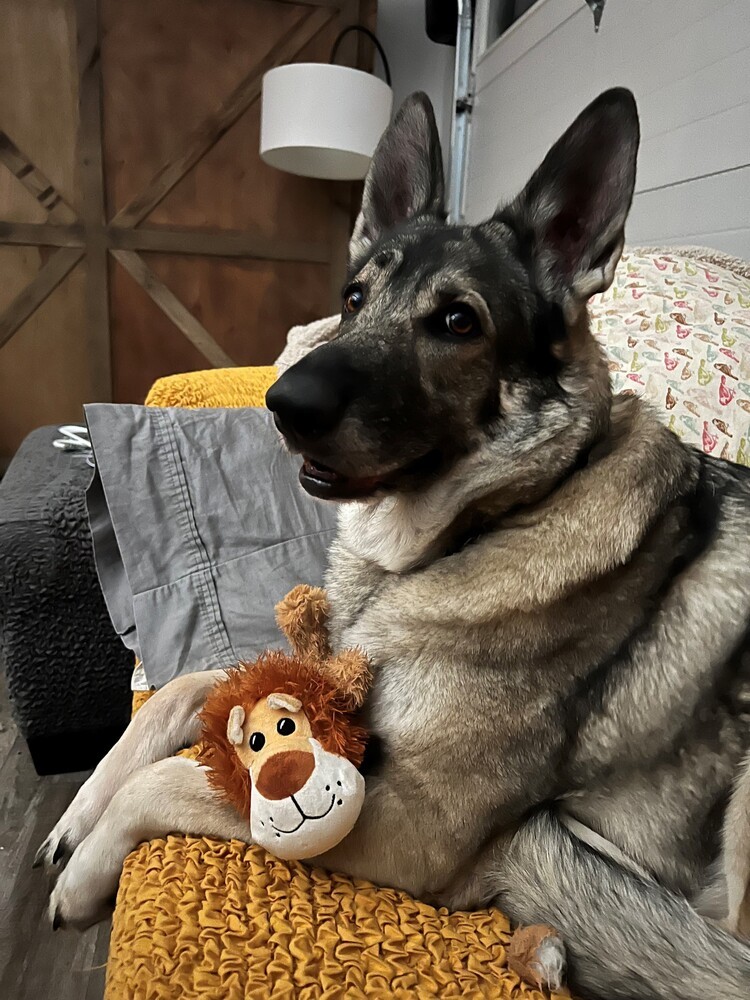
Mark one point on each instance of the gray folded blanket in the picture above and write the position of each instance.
(199, 527)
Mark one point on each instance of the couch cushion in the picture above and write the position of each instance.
(66, 670)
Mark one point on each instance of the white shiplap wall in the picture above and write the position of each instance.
(688, 63)
(416, 62)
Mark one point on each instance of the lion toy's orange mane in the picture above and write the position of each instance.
(329, 688)
(327, 708)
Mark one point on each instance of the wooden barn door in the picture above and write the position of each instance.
(140, 233)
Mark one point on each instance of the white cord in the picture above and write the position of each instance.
(75, 438)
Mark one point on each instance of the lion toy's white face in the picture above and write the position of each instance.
(315, 818)
(304, 800)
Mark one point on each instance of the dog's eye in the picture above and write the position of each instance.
(285, 727)
(461, 320)
(353, 299)
(257, 742)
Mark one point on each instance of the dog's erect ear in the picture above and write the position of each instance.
(571, 215)
(405, 178)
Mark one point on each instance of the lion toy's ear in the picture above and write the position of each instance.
(303, 618)
(349, 673)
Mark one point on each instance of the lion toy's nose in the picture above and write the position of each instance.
(283, 774)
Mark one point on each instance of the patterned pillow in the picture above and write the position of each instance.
(676, 327)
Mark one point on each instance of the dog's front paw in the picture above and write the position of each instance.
(54, 853)
(85, 892)
(74, 825)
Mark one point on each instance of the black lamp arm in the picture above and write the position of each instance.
(373, 38)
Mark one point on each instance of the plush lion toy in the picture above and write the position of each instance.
(281, 739)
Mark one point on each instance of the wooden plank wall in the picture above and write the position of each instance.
(44, 374)
(247, 305)
(687, 63)
(129, 167)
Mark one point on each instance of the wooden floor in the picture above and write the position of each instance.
(35, 962)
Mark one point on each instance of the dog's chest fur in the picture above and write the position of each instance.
(564, 657)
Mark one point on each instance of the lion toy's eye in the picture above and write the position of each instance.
(285, 727)
(257, 742)
(353, 299)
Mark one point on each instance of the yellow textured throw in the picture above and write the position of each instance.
(199, 919)
(219, 387)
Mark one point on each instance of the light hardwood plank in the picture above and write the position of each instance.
(35, 962)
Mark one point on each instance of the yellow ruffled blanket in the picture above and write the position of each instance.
(200, 919)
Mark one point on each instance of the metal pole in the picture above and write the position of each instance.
(462, 104)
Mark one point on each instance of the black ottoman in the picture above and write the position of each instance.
(68, 673)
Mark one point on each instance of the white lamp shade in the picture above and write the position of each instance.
(321, 120)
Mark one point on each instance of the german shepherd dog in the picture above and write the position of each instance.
(554, 592)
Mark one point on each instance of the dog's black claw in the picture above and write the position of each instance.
(60, 852)
(39, 856)
(57, 921)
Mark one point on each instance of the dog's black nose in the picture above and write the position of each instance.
(304, 406)
(309, 400)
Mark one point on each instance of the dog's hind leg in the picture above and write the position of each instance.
(170, 795)
(166, 723)
(627, 937)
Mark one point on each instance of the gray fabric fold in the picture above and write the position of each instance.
(199, 526)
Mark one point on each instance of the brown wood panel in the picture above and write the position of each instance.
(145, 343)
(185, 320)
(18, 204)
(138, 125)
(36, 182)
(168, 65)
(214, 243)
(54, 270)
(44, 371)
(40, 234)
(18, 266)
(231, 187)
(247, 306)
(195, 145)
(93, 211)
(38, 94)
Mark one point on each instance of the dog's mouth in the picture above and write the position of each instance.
(327, 484)
(322, 481)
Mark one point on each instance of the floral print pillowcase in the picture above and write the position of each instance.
(676, 328)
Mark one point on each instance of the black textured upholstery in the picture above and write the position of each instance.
(68, 673)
